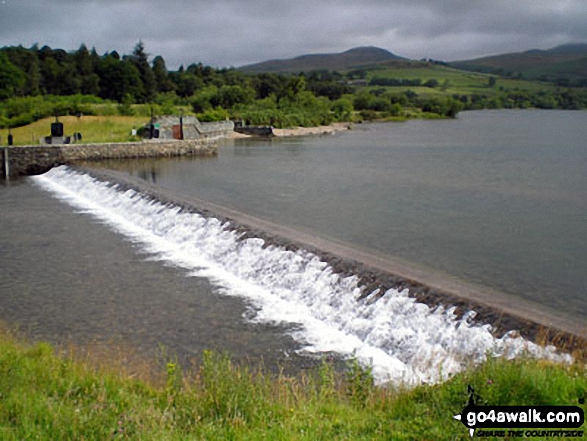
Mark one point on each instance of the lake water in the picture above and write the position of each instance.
(67, 278)
(495, 198)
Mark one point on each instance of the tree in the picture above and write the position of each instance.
(185, 83)
(12, 79)
(267, 84)
(58, 72)
(33, 77)
(331, 89)
(90, 82)
(162, 76)
(229, 96)
(140, 60)
(294, 86)
(50, 76)
(118, 79)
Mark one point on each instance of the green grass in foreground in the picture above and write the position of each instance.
(93, 129)
(49, 397)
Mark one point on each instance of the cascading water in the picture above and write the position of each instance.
(402, 340)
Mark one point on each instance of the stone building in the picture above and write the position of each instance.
(170, 127)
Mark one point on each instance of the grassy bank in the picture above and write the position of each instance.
(44, 396)
(93, 129)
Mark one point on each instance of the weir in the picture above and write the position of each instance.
(377, 274)
(333, 309)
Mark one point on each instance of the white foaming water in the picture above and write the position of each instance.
(402, 340)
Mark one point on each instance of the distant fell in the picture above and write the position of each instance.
(351, 59)
(566, 63)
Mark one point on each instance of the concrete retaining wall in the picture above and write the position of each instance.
(32, 160)
(255, 130)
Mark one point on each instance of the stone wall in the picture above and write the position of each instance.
(146, 149)
(31, 160)
(193, 128)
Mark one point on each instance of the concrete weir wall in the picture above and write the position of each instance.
(33, 160)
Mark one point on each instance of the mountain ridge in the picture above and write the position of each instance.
(349, 59)
(565, 62)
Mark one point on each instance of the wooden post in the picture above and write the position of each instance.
(6, 164)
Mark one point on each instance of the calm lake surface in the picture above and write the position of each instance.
(495, 198)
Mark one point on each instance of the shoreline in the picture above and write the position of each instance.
(503, 312)
(300, 131)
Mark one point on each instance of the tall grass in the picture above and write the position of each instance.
(47, 396)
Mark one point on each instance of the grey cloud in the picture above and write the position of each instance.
(232, 32)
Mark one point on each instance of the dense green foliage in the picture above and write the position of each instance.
(48, 397)
(39, 82)
(17, 112)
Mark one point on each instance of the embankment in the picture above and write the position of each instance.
(378, 274)
(34, 160)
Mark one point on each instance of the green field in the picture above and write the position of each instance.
(44, 396)
(93, 129)
(457, 81)
(566, 64)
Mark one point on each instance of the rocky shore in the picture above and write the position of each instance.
(305, 131)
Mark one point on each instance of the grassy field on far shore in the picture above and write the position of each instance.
(93, 129)
(44, 396)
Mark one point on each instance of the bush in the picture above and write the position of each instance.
(124, 108)
(368, 115)
(216, 114)
(229, 96)
(342, 109)
(25, 110)
(395, 109)
(431, 83)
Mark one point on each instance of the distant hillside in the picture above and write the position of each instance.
(562, 63)
(353, 58)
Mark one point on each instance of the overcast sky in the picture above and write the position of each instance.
(225, 33)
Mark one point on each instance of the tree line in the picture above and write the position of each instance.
(38, 82)
(44, 71)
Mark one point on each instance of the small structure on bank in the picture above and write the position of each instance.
(185, 127)
(263, 131)
(57, 134)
